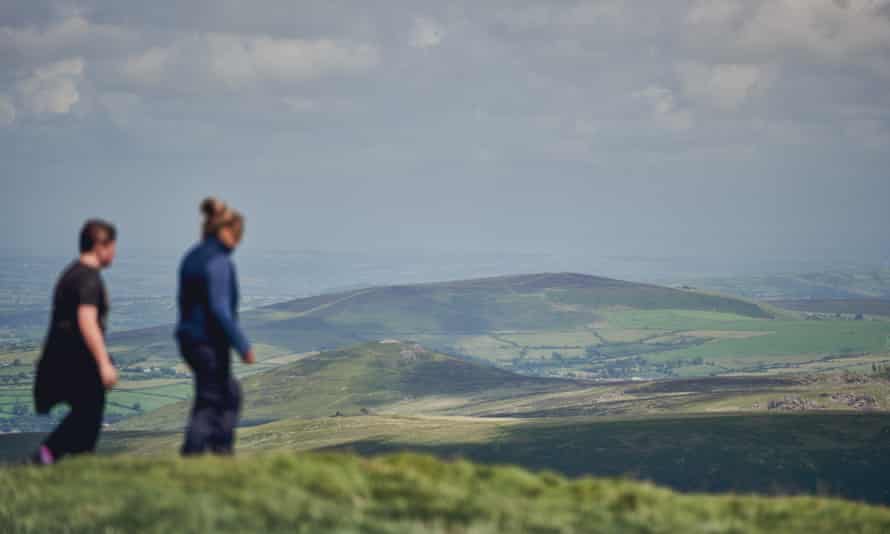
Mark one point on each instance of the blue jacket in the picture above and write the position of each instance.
(208, 298)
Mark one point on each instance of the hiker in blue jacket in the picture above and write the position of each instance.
(208, 329)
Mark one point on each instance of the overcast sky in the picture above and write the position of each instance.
(724, 129)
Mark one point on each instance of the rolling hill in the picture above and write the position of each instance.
(540, 302)
(367, 378)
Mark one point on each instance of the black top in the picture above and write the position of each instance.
(78, 285)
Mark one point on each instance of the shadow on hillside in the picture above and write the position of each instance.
(832, 455)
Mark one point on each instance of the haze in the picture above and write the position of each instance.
(739, 130)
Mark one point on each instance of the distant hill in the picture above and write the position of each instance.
(856, 306)
(534, 302)
(394, 494)
(374, 376)
(851, 283)
(523, 302)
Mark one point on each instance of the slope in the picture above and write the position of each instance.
(363, 379)
(406, 493)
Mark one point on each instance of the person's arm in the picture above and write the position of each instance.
(88, 322)
(219, 286)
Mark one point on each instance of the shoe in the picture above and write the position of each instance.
(43, 456)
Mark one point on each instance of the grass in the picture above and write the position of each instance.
(840, 454)
(394, 494)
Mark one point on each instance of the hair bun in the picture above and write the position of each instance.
(212, 206)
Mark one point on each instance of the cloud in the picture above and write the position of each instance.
(869, 133)
(65, 33)
(538, 16)
(301, 105)
(62, 36)
(52, 89)
(7, 111)
(725, 86)
(826, 31)
(426, 33)
(288, 59)
(147, 67)
(831, 29)
(201, 62)
(713, 12)
(664, 109)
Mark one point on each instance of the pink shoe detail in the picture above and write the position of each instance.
(46, 456)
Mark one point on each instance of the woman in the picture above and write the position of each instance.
(208, 329)
(75, 367)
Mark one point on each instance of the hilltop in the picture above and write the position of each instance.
(396, 494)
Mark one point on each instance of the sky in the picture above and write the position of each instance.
(732, 129)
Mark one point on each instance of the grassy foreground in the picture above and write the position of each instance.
(402, 493)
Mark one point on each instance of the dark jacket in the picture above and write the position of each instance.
(208, 298)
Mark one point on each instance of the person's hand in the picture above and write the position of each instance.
(249, 358)
(108, 374)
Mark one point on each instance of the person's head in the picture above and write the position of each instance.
(222, 222)
(99, 238)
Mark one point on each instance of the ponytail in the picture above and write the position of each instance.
(217, 215)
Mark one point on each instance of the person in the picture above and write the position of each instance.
(74, 366)
(208, 329)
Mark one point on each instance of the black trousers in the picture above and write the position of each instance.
(81, 388)
(214, 416)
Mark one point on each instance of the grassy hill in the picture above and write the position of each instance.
(821, 453)
(834, 454)
(397, 494)
(537, 302)
(366, 378)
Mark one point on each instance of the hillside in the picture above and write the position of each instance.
(397, 494)
(844, 455)
(364, 379)
(524, 302)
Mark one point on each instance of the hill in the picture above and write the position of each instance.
(849, 283)
(539, 302)
(836, 454)
(845, 455)
(398, 494)
(366, 378)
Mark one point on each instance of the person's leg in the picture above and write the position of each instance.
(47, 393)
(79, 430)
(224, 440)
(209, 395)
